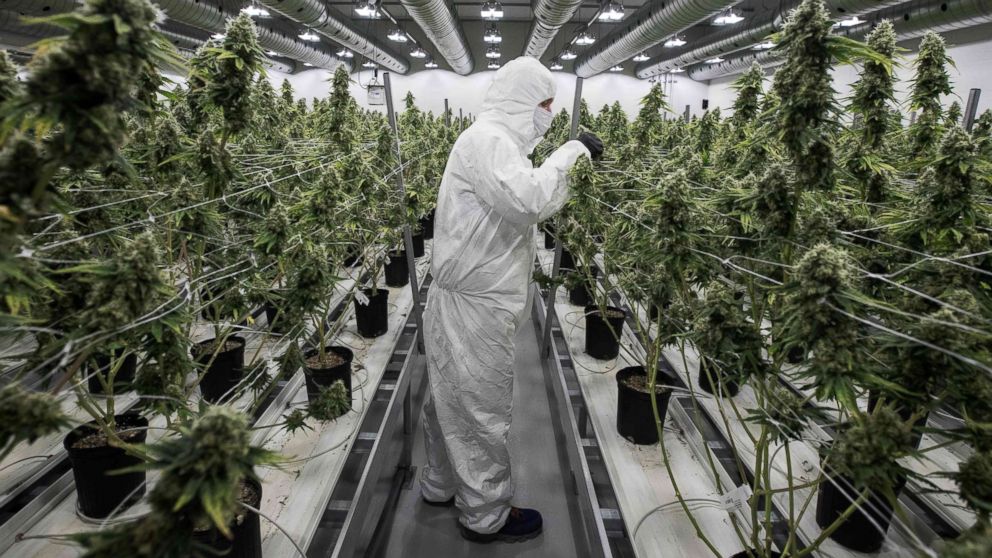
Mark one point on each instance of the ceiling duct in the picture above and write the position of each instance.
(313, 14)
(651, 24)
(17, 34)
(549, 17)
(210, 18)
(40, 7)
(910, 20)
(441, 26)
(735, 38)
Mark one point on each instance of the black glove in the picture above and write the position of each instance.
(592, 143)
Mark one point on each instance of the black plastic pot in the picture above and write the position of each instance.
(98, 491)
(225, 371)
(717, 381)
(397, 270)
(754, 554)
(905, 411)
(549, 239)
(603, 336)
(858, 532)
(318, 378)
(567, 261)
(582, 294)
(418, 245)
(247, 540)
(427, 225)
(103, 364)
(795, 355)
(635, 417)
(373, 318)
(354, 255)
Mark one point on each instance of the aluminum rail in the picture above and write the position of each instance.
(208, 17)
(441, 25)
(910, 20)
(549, 17)
(651, 24)
(324, 21)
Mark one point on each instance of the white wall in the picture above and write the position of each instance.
(430, 88)
(973, 69)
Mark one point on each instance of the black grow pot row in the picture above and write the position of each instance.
(103, 364)
(246, 529)
(418, 245)
(714, 380)
(603, 335)
(635, 415)
(549, 238)
(320, 377)
(427, 225)
(583, 294)
(397, 270)
(275, 318)
(224, 372)
(373, 318)
(99, 491)
(864, 530)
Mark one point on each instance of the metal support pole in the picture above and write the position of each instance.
(407, 231)
(447, 115)
(912, 118)
(686, 114)
(971, 108)
(549, 303)
(461, 121)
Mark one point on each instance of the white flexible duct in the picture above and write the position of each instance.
(186, 45)
(15, 33)
(549, 17)
(320, 19)
(728, 41)
(199, 14)
(651, 24)
(441, 26)
(910, 20)
(40, 7)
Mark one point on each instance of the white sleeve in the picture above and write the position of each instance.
(515, 189)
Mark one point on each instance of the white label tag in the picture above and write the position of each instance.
(737, 499)
(361, 298)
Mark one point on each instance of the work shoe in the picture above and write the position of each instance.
(443, 504)
(521, 524)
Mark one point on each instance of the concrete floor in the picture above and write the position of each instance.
(417, 530)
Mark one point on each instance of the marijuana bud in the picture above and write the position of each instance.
(27, 415)
(331, 403)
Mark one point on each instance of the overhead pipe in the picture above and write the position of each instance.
(549, 17)
(442, 27)
(651, 24)
(734, 38)
(40, 7)
(320, 19)
(910, 20)
(186, 46)
(201, 15)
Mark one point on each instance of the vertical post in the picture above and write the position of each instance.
(407, 232)
(685, 115)
(447, 115)
(912, 118)
(549, 303)
(461, 121)
(971, 108)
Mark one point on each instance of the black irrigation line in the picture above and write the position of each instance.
(23, 495)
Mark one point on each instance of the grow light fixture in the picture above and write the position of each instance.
(567, 54)
(218, 36)
(309, 36)
(418, 52)
(367, 9)
(255, 11)
(308, 65)
(642, 57)
(676, 70)
(492, 53)
(345, 53)
(766, 45)
(612, 12)
(675, 41)
(849, 22)
(729, 18)
(397, 36)
(715, 60)
(430, 64)
(585, 39)
(271, 53)
(556, 65)
(492, 36)
(494, 65)
(369, 64)
(617, 68)
(492, 10)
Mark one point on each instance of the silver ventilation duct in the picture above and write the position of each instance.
(549, 17)
(210, 18)
(186, 45)
(910, 20)
(17, 34)
(441, 26)
(313, 14)
(651, 24)
(40, 7)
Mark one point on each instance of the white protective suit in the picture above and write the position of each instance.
(490, 198)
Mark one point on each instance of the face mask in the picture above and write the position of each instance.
(542, 120)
